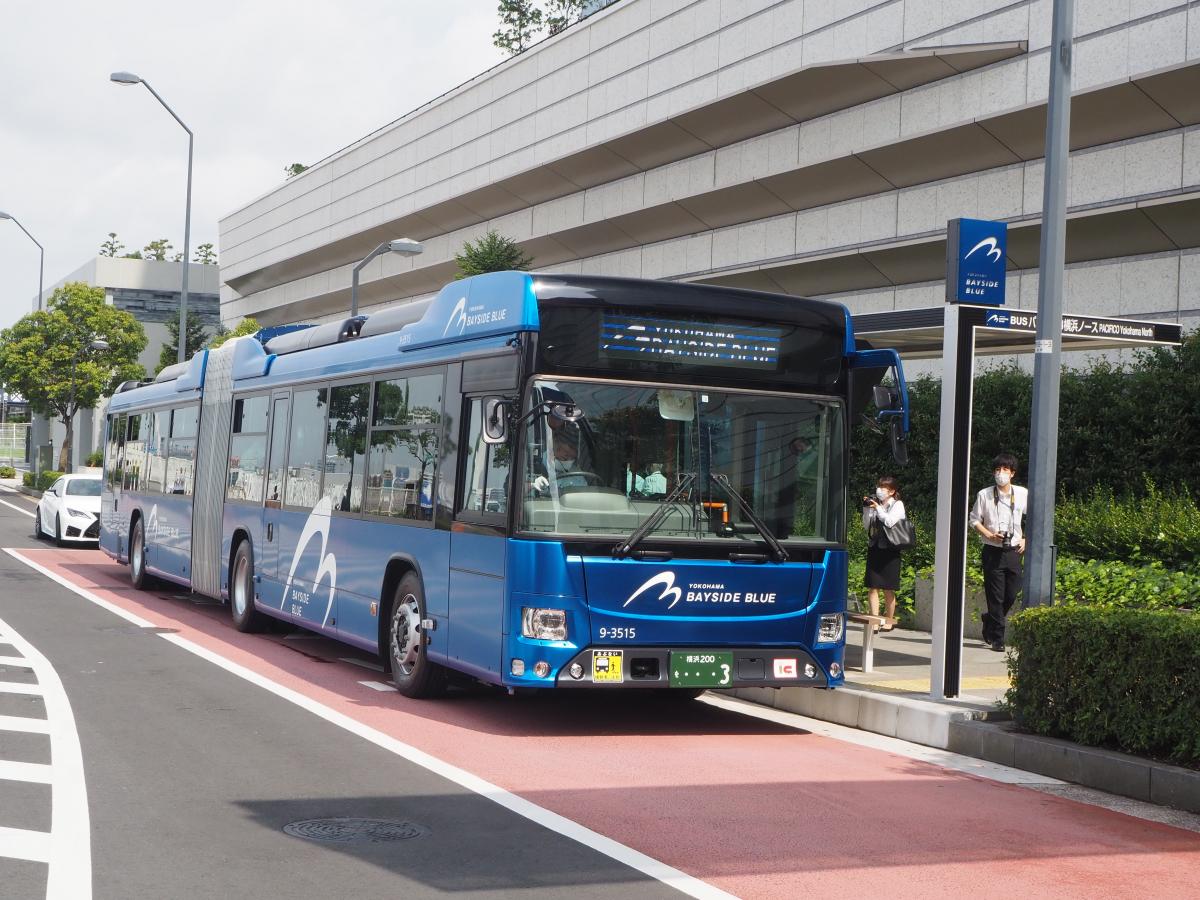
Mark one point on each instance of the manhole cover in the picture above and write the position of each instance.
(343, 830)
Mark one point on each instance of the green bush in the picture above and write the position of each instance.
(8, 472)
(46, 479)
(1122, 678)
(27, 479)
(1118, 584)
(95, 459)
(1156, 526)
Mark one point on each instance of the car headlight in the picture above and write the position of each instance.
(830, 629)
(544, 624)
(78, 513)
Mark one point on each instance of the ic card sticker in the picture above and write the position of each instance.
(606, 666)
(786, 668)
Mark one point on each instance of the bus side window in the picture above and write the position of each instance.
(404, 449)
(181, 461)
(485, 468)
(135, 451)
(156, 451)
(276, 467)
(248, 449)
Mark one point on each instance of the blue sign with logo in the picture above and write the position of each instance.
(975, 261)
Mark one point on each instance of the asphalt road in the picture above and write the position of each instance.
(184, 749)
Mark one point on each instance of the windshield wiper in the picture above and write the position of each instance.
(773, 542)
(664, 506)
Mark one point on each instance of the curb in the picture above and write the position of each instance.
(906, 718)
(1105, 770)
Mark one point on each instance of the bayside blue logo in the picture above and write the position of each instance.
(975, 265)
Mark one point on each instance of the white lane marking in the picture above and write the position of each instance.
(378, 685)
(17, 843)
(681, 881)
(68, 847)
(18, 661)
(362, 663)
(23, 512)
(24, 723)
(34, 773)
(943, 758)
(15, 687)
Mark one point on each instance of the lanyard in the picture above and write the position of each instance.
(1012, 505)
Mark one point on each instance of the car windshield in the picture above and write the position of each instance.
(83, 487)
(607, 471)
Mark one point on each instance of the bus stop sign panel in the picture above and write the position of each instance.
(975, 261)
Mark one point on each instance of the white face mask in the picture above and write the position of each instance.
(882, 493)
(1003, 478)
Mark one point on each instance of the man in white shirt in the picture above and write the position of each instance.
(997, 516)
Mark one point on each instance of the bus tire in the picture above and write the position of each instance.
(413, 672)
(137, 556)
(241, 591)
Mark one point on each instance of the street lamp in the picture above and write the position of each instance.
(403, 246)
(128, 78)
(95, 344)
(41, 252)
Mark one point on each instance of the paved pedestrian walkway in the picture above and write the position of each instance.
(902, 660)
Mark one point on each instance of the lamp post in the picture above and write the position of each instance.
(403, 246)
(41, 254)
(95, 344)
(128, 78)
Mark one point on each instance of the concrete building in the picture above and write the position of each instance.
(149, 290)
(813, 147)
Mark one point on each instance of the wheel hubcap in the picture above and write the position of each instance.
(239, 587)
(406, 634)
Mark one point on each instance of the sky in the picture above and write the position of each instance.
(261, 83)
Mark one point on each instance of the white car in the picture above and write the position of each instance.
(70, 510)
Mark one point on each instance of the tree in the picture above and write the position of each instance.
(290, 172)
(136, 254)
(491, 253)
(46, 357)
(206, 255)
(561, 13)
(248, 325)
(112, 246)
(157, 250)
(196, 336)
(520, 21)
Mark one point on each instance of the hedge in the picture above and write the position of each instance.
(27, 479)
(1163, 526)
(8, 472)
(46, 479)
(1118, 584)
(1122, 678)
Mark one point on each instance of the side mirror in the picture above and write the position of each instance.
(899, 442)
(885, 398)
(495, 420)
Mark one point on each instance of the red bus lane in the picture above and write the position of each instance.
(755, 808)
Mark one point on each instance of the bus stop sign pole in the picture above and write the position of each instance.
(1043, 435)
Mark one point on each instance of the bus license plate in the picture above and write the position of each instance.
(701, 668)
(606, 666)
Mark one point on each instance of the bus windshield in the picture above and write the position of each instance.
(627, 447)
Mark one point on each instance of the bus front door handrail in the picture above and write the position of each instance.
(777, 550)
(621, 550)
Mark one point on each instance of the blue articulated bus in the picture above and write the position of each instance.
(533, 480)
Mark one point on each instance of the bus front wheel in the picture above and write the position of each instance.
(413, 672)
(241, 591)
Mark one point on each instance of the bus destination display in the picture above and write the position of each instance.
(739, 346)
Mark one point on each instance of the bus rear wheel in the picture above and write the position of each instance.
(137, 556)
(413, 672)
(241, 591)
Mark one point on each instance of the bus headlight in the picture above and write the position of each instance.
(544, 624)
(830, 629)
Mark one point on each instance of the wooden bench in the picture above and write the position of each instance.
(870, 625)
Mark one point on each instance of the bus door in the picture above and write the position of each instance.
(478, 547)
(110, 504)
(268, 551)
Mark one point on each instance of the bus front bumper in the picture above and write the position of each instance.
(687, 667)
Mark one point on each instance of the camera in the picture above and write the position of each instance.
(1006, 540)
(867, 501)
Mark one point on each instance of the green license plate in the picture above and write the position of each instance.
(701, 668)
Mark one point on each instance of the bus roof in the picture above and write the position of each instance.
(484, 310)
